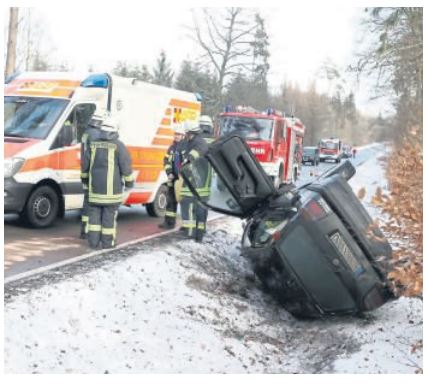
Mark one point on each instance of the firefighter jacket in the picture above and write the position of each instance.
(194, 151)
(91, 133)
(106, 167)
(173, 159)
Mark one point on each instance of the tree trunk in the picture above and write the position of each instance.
(11, 42)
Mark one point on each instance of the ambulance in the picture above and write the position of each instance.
(45, 115)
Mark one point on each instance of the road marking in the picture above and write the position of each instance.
(70, 261)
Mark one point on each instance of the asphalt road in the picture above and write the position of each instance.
(27, 249)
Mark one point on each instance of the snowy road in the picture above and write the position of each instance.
(176, 306)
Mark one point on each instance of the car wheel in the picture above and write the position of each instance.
(158, 206)
(42, 207)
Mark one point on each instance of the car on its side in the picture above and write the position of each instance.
(311, 154)
(314, 248)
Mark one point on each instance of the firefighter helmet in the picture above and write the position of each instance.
(98, 116)
(180, 130)
(110, 124)
(205, 120)
(191, 127)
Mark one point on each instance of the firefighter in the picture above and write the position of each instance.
(354, 152)
(91, 133)
(108, 166)
(193, 214)
(172, 164)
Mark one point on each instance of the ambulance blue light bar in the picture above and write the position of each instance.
(96, 80)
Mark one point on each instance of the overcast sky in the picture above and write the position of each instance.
(300, 39)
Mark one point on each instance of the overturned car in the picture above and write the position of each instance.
(314, 248)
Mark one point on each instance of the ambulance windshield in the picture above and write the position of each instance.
(246, 127)
(29, 117)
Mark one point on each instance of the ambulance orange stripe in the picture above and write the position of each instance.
(60, 93)
(135, 198)
(61, 160)
(146, 155)
(166, 122)
(57, 82)
(184, 104)
(42, 87)
(162, 141)
(165, 131)
(149, 174)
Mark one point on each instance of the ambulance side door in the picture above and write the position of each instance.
(66, 148)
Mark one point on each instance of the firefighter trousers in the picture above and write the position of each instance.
(102, 226)
(194, 217)
(84, 218)
(171, 204)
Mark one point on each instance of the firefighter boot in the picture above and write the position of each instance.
(199, 235)
(168, 223)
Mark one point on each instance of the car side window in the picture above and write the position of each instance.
(74, 126)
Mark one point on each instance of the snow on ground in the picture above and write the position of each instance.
(170, 305)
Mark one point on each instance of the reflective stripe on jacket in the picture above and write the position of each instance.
(195, 150)
(173, 159)
(91, 133)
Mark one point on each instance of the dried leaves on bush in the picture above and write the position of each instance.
(404, 206)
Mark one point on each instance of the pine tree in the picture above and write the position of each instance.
(260, 53)
(192, 78)
(162, 73)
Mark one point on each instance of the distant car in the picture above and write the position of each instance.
(311, 155)
(347, 152)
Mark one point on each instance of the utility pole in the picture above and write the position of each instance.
(11, 42)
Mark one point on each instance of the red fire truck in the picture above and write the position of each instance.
(331, 148)
(275, 140)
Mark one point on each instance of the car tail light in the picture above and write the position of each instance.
(315, 210)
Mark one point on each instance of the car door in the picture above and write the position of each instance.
(239, 185)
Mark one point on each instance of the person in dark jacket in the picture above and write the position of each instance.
(91, 133)
(108, 166)
(194, 215)
(172, 164)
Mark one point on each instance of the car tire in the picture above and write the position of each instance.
(158, 207)
(42, 207)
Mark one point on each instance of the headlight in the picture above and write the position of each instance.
(12, 166)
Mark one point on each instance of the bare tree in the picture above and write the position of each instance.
(395, 57)
(225, 38)
(12, 42)
(34, 43)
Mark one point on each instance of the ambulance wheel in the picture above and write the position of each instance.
(42, 207)
(158, 206)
